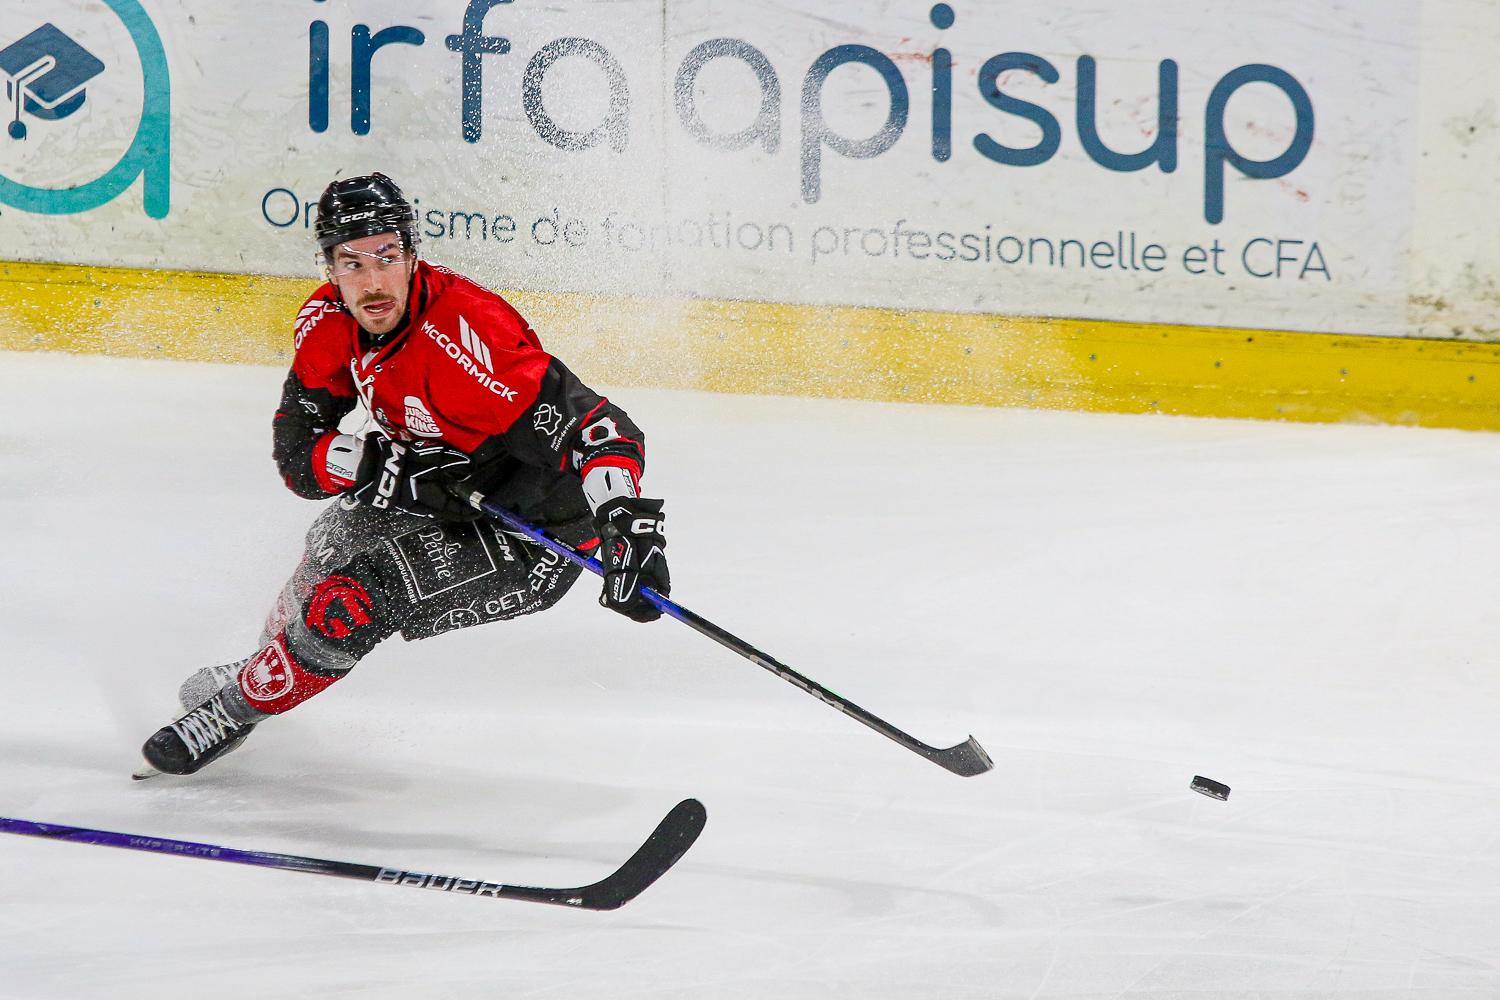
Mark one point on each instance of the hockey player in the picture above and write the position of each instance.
(460, 397)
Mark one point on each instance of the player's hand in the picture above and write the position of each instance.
(416, 477)
(632, 547)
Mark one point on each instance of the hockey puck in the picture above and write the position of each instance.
(1207, 786)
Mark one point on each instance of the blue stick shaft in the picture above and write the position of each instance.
(185, 848)
(965, 759)
(568, 552)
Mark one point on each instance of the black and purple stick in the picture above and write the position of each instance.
(671, 839)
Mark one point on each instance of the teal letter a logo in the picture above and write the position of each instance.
(149, 155)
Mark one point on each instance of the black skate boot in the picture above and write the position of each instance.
(203, 735)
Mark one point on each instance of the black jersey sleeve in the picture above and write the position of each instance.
(305, 422)
(570, 428)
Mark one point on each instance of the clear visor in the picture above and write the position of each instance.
(348, 261)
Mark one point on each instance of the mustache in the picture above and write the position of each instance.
(374, 300)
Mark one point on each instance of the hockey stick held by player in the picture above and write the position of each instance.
(461, 396)
(965, 759)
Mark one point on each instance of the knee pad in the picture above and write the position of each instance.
(345, 615)
(339, 621)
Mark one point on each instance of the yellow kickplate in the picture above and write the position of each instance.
(839, 351)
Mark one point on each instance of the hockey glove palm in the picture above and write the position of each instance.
(417, 478)
(632, 548)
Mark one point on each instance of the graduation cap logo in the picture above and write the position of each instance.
(45, 75)
(43, 79)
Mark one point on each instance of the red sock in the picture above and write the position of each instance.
(274, 682)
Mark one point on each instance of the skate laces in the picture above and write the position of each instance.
(205, 727)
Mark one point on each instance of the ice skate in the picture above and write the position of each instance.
(204, 683)
(206, 733)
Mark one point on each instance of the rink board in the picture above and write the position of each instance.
(1278, 166)
(843, 352)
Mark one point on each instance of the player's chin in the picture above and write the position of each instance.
(379, 322)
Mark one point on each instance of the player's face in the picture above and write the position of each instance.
(373, 274)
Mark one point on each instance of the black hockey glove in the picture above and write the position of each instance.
(416, 477)
(632, 548)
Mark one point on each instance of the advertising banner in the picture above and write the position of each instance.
(1173, 162)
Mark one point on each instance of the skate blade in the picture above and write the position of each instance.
(146, 771)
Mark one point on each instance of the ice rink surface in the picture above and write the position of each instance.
(1111, 604)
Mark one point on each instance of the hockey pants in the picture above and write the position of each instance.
(367, 574)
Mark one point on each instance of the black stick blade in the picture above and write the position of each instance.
(667, 843)
(966, 760)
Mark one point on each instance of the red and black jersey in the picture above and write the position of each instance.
(465, 369)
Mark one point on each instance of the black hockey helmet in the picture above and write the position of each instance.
(355, 207)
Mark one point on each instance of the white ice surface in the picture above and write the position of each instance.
(1110, 604)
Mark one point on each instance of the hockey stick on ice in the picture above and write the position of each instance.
(967, 758)
(671, 839)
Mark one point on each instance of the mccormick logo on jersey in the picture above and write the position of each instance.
(419, 420)
(473, 356)
(474, 345)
